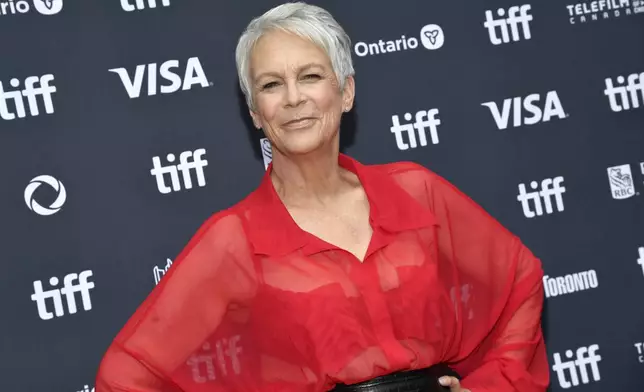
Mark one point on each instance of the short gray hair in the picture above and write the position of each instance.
(305, 20)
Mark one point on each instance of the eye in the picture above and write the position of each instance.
(269, 85)
(312, 76)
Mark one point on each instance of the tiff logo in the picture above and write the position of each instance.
(517, 15)
(168, 71)
(160, 272)
(549, 188)
(34, 87)
(627, 93)
(86, 388)
(188, 160)
(72, 284)
(226, 351)
(425, 119)
(528, 110)
(140, 4)
(640, 261)
(577, 366)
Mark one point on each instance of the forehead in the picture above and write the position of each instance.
(279, 51)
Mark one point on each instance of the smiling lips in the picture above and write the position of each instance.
(301, 122)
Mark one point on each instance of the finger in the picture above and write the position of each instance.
(451, 382)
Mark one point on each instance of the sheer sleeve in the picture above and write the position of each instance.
(496, 287)
(188, 330)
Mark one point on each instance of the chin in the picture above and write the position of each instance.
(304, 143)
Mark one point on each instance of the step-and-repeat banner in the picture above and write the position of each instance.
(122, 129)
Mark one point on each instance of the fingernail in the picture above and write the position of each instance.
(444, 381)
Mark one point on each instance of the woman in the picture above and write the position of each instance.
(333, 273)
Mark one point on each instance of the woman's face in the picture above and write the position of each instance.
(298, 101)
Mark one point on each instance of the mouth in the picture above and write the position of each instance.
(302, 121)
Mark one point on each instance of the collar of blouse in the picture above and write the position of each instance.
(273, 232)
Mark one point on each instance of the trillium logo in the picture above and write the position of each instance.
(48, 7)
(432, 36)
(52, 182)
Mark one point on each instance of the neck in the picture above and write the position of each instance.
(302, 179)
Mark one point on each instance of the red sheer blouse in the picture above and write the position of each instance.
(254, 303)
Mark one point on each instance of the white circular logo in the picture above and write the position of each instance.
(432, 36)
(55, 206)
(48, 7)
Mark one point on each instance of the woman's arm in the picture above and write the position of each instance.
(497, 285)
(164, 340)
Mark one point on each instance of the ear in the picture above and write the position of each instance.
(256, 120)
(348, 93)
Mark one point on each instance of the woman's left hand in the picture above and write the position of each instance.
(453, 384)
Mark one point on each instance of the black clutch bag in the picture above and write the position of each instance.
(421, 380)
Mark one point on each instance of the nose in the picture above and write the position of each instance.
(294, 96)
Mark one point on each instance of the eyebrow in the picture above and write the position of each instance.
(300, 69)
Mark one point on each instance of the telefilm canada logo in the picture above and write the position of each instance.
(43, 7)
(431, 37)
(592, 11)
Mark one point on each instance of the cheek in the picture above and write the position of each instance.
(267, 108)
(328, 101)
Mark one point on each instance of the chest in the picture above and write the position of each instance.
(345, 225)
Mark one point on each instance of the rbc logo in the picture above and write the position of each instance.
(577, 366)
(267, 152)
(185, 166)
(69, 290)
(549, 188)
(621, 182)
(517, 15)
(425, 119)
